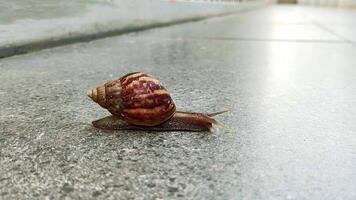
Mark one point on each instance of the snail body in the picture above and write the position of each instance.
(138, 101)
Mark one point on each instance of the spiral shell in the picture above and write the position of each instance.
(137, 98)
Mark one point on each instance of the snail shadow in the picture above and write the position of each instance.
(143, 131)
(151, 138)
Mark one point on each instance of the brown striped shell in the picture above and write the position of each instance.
(137, 98)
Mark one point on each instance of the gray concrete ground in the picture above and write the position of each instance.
(286, 72)
(37, 24)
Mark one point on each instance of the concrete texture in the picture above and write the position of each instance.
(341, 22)
(36, 24)
(275, 23)
(292, 126)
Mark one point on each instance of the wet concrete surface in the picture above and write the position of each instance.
(291, 130)
(27, 26)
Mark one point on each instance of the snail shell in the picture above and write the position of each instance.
(136, 98)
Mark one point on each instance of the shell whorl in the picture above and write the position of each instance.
(136, 98)
(98, 95)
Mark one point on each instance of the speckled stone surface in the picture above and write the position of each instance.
(291, 131)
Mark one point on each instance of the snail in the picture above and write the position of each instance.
(138, 101)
